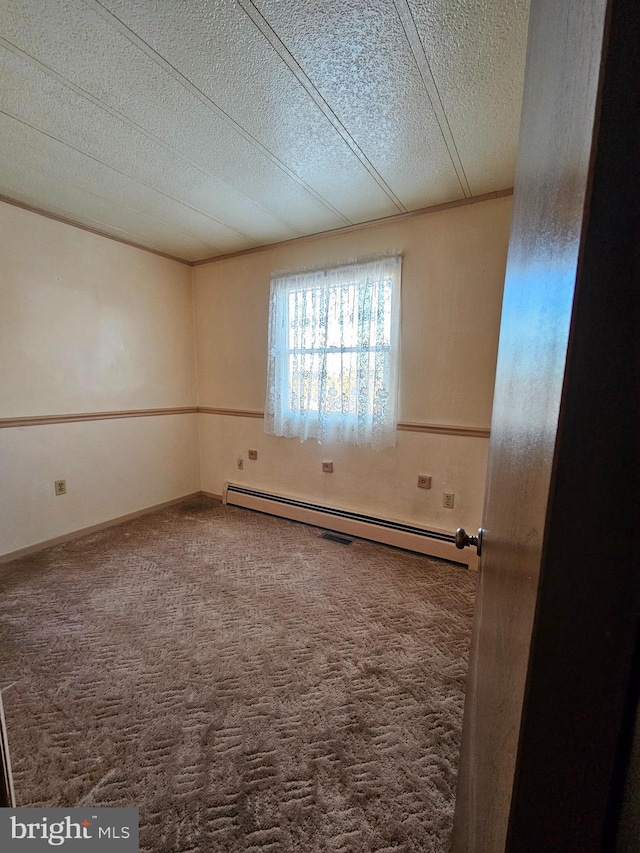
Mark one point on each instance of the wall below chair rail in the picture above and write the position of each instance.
(452, 279)
(381, 485)
(111, 468)
(90, 325)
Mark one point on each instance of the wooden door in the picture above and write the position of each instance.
(7, 796)
(552, 685)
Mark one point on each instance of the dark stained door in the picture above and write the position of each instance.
(552, 685)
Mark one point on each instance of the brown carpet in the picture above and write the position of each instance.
(245, 683)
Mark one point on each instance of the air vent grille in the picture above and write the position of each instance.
(336, 537)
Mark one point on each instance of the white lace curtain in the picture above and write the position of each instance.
(333, 354)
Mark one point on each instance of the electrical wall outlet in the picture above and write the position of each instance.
(424, 481)
(447, 499)
(327, 467)
(60, 487)
(253, 454)
(239, 463)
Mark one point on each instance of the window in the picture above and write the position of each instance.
(333, 354)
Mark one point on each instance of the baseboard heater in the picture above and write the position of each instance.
(435, 543)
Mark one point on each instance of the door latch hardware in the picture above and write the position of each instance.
(463, 539)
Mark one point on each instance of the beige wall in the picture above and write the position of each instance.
(453, 273)
(90, 325)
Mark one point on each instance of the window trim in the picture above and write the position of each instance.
(381, 431)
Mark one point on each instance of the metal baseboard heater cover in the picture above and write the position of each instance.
(435, 543)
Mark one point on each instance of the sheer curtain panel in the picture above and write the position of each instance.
(334, 353)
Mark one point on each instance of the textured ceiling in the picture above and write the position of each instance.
(203, 127)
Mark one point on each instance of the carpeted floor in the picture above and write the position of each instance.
(245, 683)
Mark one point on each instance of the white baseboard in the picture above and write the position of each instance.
(399, 536)
(435, 543)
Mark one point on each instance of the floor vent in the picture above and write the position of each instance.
(336, 537)
(435, 543)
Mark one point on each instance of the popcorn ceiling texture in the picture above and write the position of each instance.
(248, 685)
(202, 127)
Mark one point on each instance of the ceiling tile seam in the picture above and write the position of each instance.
(50, 72)
(100, 232)
(98, 226)
(360, 226)
(422, 62)
(131, 178)
(397, 217)
(153, 219)
(168, 68)
(276, 43)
